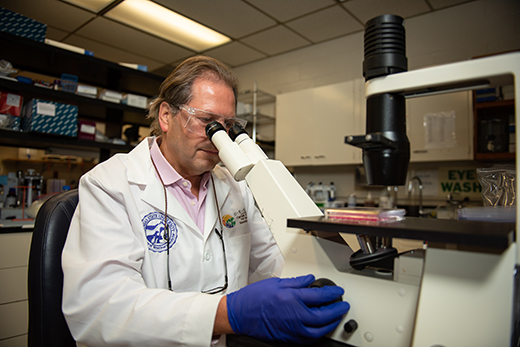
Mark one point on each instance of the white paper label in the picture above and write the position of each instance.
(88, 129)
(46, 109)
(13, 100)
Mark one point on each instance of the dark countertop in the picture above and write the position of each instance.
(460, 232)
(246, 341)
(14, 226)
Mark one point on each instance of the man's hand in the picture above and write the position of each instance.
(285, 310)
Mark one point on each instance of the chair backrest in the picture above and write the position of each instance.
(47, 326)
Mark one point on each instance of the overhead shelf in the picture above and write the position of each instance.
(39, 58)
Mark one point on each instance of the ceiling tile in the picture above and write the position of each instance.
(54, 13)
(110, 53)
(364, 10)
(56, 34)
(128, 39)
(235, 54)
(234, 18)
(290, 9)
(163, 70)
(438, 4)
(326, 24)
(276, 40)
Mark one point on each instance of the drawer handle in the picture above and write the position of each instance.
(305, 157)
(421, 151)
(321, 156)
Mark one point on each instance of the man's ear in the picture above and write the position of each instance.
(165, 116)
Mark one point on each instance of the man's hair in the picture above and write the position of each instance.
(176, 89)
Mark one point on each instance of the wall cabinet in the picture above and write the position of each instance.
(312, 124)
(36, 57)
(495, 136)
(440, 127)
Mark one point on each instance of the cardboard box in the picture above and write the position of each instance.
(87, 130)
(50, 117)
(10, 103)
(17, 24)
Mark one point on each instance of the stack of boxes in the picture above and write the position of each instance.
(10, 110)
(17, 24)
(50, 117)
(45, 116)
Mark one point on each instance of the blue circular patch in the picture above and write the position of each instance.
(153, 224)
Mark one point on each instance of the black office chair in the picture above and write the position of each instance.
(47, 326)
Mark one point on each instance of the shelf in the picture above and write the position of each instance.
(88, 107)
(262, 97)
(495, 104)
(38, 57)
(260, 118)
(506, 156)
(44, 141)
(460, 232)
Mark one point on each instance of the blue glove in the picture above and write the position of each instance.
(285, 310)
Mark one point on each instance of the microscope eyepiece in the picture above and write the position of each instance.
(212, 128)
(235, 131)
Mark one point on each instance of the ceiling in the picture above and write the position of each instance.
(259, 29)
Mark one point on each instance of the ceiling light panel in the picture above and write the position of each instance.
(92, 5)
(158, 20)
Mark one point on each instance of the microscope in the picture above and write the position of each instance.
(463, 290)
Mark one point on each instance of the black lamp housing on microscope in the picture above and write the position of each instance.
(386, 149)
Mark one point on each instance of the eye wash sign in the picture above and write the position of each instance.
(459, 181)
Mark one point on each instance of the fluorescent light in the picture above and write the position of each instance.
(158, 20)
(92, 5)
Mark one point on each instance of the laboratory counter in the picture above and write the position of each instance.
(246, 341)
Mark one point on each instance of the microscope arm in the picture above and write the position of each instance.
(496, 70)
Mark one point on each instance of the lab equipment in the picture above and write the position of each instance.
(442, 286)
(386, 149)
(441, 296)
(272, 309)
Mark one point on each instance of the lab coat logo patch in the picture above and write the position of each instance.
(153, 224)
(228, 221)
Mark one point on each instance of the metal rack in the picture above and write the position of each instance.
(256, 97)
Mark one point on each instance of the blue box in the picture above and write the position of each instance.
(50, 117)
(17, 24)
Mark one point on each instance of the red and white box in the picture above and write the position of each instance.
(10, 103)
(87, 130)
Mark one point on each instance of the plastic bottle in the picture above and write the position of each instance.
(10, 200)
(320, 192)
(352, 200)
(369, 202)
(332, 192)
(386, 200)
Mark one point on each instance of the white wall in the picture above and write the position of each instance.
(453, 34)
(457, 33)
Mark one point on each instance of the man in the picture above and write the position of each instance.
(165, 248)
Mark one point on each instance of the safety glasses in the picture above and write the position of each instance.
(198, 120)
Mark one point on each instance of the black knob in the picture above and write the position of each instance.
(322, 282)
(350, 326)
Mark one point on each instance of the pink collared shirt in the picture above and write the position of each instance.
(180, 187)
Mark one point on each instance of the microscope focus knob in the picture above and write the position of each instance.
(322, 282)
(350, 326)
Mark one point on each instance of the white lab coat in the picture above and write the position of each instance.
(115, 276)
